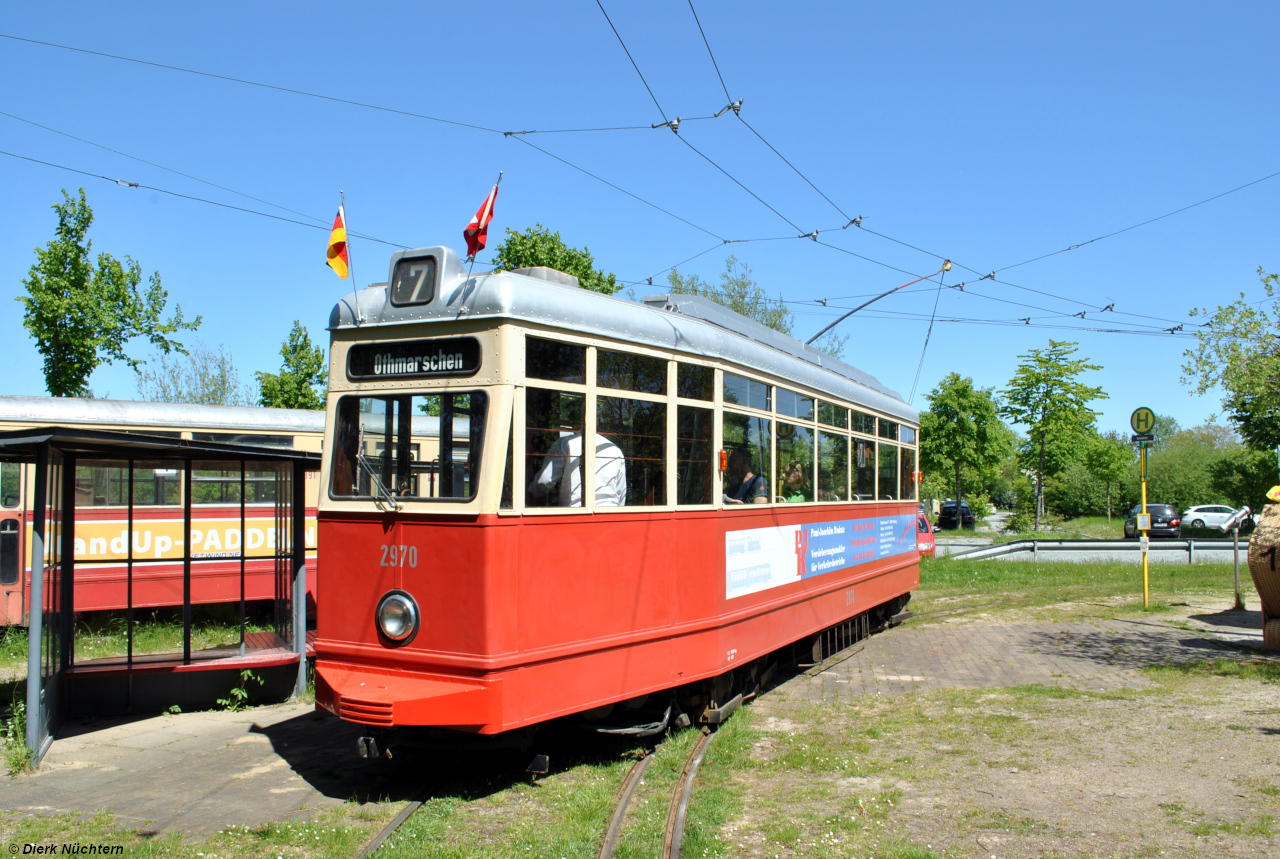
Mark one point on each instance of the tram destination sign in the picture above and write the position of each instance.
(414, 359)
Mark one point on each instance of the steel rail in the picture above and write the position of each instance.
(678, 811)
(622, 804)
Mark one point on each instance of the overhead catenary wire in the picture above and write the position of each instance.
(127, 184)
(929, 333)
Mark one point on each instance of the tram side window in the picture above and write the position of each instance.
(794, 405)
(107, 485)
(832, 415)
(741, 391)
(695, 463)
(555, 361)
(219, 483)
(862, 422)
(631, 433)
(10, 484)
(907, 435)
(416, 446)
(624, 371)
(888, 429)
(508, 474)
(695, 383)
(554, 423)
(749, 477)
(244, 438)
(908, 490)
(833, 467)
(864, 470)
(888, 456)
(794, 465)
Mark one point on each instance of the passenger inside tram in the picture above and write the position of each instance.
(747, 486)
(558, 482)
(794, 485)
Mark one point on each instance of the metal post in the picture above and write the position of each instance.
(1235, 546)
(1191, 551)
(300, 576)
(242, 551)
(128, 610)
(35, 618)
(1146, 538)
(186, 562)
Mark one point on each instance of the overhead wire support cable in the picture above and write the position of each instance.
(928, 334)
(1143, 224)
(255, 83)
(127, 184)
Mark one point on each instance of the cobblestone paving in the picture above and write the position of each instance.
(1099, 656)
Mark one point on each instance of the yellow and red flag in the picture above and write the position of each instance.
(477, 232)
(337, 254)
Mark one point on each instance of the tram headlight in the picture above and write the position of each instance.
(397, 616)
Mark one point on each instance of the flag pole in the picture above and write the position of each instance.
(351, 269)
(472, 259)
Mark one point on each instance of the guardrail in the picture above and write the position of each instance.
(1035, 547)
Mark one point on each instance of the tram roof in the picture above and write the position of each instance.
(680, 323)
(74, 411)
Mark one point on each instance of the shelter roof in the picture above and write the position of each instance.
(22, 445)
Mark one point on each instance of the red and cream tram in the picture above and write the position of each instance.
(633, 498)
(101, 522)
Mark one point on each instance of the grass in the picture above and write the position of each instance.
(951, 583)
(338, 833)
(1261, 670)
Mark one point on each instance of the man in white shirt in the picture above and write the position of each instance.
(551, 481)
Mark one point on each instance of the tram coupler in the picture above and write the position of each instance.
(368, 747)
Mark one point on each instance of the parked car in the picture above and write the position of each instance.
(1210, 516)
(1165, 521)
(924, 536)
(947, 518)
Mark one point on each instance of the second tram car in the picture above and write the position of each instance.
(633, 498)
(102, 499)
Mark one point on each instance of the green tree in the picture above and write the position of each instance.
(741, 293)
(1046, 396)
(962, 431)
(1243, 476)
(539, 246)
(1108, 458)
(301, 373)
(206, 376)
(83, 313)
(1238, 349)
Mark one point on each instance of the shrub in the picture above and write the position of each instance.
(1019, 522)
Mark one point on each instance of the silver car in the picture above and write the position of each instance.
(1207, 516)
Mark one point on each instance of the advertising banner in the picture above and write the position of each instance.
(758, 559)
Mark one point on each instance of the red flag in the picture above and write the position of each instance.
(477, 232)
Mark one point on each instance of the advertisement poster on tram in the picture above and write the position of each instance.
(107, 540)
(758, 559)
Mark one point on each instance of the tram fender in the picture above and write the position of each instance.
(371, 697)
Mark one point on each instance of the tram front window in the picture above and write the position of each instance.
(409, 446)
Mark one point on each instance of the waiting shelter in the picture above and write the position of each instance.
(60, 685)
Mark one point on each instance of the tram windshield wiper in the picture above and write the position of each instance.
(374, 479)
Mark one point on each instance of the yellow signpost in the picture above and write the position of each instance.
(1143, 421)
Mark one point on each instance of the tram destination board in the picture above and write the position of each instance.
(414, 359)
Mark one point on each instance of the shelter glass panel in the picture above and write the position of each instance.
(749, 442)
(10, 484)
(695, 459)
(741, 391)
(864, 470)
(862, 422)
(554, 424)
(794, 465)
(219, 483)
(631, 453)
(907, 435)
(106, 484)
(833, 415)
(795, 405)
(695, 382)
(888, 429)
(413, 446)
(908, 490)
(888, 455)
(624, 371)
(555, 361)
(833, 467)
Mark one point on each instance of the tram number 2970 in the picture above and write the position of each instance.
(399, 556)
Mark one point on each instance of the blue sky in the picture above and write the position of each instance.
(986, 133)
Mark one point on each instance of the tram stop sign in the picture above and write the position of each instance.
(1143, 420)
